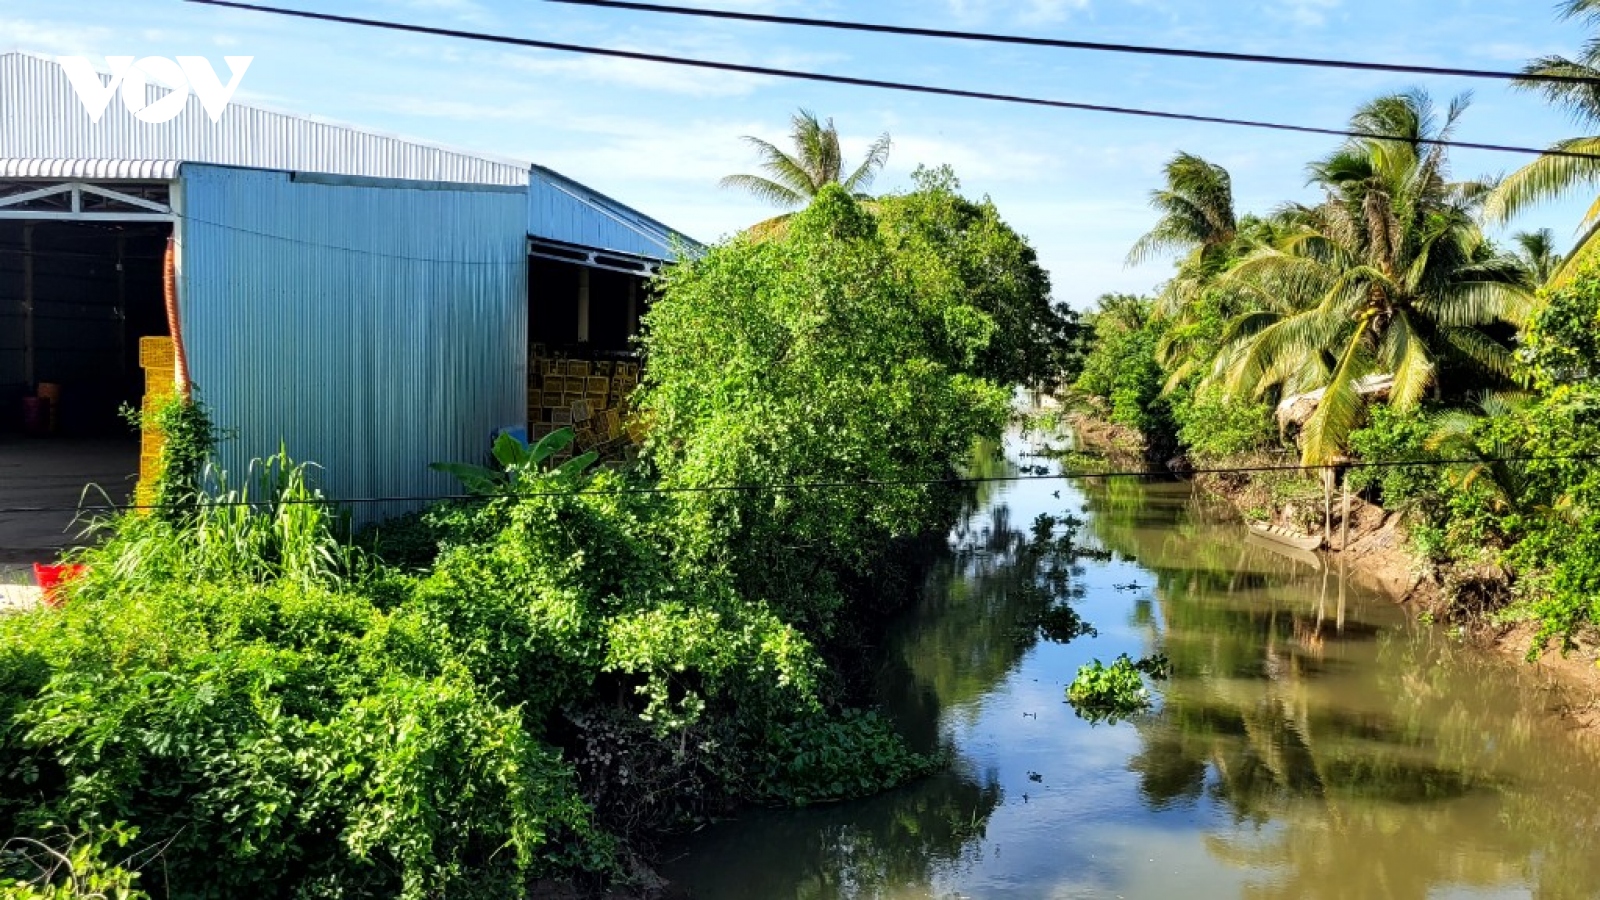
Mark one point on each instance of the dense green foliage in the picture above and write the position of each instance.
(540, 681)
(66, 866)
(1121, 368)
(977, 275)
(810, 358)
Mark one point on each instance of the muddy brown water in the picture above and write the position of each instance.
(1313, 741)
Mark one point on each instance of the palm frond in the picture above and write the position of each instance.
(1478, 347)
(1546, 178)
(766, 189)
(1586, 249)
(1324, 436)
(877, 157)
(1405, 354)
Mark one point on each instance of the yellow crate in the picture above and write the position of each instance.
(596, 383)
(156, 353)
(150, 467)
(535, 399)
(585, 438)
(144, 494)
(561, 416)
(603, 368)
(160, 382)
(578, 367)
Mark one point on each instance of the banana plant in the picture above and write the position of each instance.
(520, 463)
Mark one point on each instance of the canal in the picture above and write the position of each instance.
(1313, 740)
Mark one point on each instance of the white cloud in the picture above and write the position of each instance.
(1305, 13)
(633, 73)
(51, 39)
(1032, 11)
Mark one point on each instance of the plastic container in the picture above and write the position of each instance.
(51, 577)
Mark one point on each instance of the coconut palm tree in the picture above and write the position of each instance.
(1549, 177)
(1196, 208)
(1197, 222)
(792, 179)
(1389, 276)
(1537, 250)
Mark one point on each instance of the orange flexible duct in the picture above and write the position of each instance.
(169, 271)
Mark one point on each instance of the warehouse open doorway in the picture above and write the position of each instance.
(81, 281)
(584, 311)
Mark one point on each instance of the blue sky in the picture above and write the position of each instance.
(659, 138)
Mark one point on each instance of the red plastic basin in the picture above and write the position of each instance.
(51, 577)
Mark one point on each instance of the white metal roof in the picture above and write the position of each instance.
(118, 169)
(42, 121)
(46, 133)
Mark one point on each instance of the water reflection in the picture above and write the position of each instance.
(1311, 743)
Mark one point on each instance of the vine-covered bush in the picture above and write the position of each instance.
(809, 360)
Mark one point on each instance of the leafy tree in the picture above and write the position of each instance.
(966, 262)
(805, 358)
(794, 179)
(1548, 177)
(1122, 368)
(1389, 275)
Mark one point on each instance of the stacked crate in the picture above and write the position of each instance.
(160, 383)
(588, 396)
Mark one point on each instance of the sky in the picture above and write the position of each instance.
(659, 138)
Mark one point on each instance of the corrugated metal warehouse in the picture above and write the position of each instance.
(366, 300)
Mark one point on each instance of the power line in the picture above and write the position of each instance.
(790, 487)
(853, 81)
(1058, 43)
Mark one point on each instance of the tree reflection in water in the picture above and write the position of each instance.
(1355, 760)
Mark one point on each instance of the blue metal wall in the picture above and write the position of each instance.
(564, 210)
(374, 327)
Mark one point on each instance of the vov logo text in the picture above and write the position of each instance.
(131, 78)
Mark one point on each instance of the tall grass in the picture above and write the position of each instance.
(275, 525)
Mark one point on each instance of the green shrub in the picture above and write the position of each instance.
(1216, 428)
(1391, 436)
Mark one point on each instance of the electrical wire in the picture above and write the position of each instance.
(1062, 44)
(854, 81)
(811, 485)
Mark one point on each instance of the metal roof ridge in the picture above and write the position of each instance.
(320, 120)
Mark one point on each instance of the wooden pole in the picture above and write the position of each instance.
(1327, 506)
(1344, 527)
(583, 305)
(122, 308)
(30, 350)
